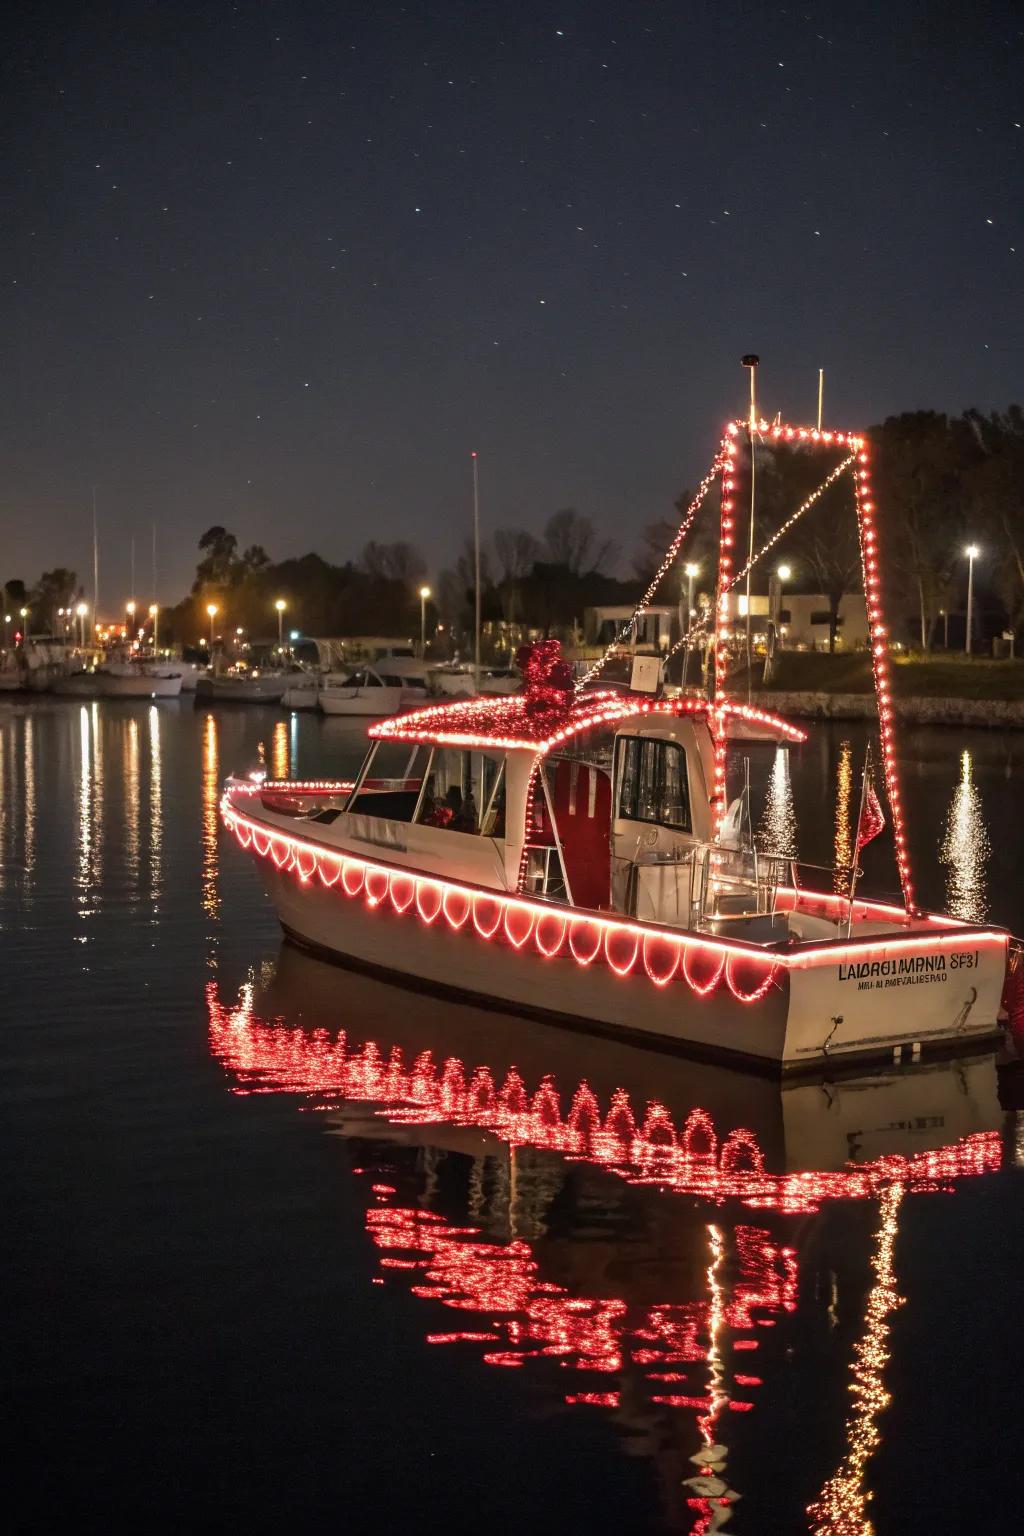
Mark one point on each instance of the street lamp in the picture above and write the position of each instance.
(424, 594)
(7, 623)
(24, 624)
(81, 610)
(972, 552)
(211, 609)
(154, 614)
(280, 605)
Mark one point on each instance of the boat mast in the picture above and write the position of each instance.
(95, 567)
(750, 362)
(476, 571)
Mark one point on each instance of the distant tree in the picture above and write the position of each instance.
(571, 542)
(15, 594)
(219, 550)
(54, 589)
(400, 561)
(921, 463)
(255, 558)
(516, 552)
(995, 498)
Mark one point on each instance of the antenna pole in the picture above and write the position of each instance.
(750, 362)
(821, 394)
(476, 571)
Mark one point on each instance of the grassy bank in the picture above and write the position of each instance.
(934, 677)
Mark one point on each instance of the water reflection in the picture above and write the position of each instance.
(30, 809)
(842, 1504)
(156, 807)
(132, 805)
(965, 849)
(843, 844)
(210, 799)
(279, 758)
(89, 808)
(778, 820)
(528, 1243)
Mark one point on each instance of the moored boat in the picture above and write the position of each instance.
(138, 680)
(238, 685)
(368, 692)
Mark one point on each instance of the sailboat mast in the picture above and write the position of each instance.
(95, 566)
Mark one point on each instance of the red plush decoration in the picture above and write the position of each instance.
(547, 678)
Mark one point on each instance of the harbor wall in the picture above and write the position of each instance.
(999, 714)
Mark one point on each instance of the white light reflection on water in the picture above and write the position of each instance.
(132, 802)
(156, 808)
(778, 819)
(84, 807)
(841, 1507)
(966, 850)
(211, 799)
(279, 762)
(30, 807)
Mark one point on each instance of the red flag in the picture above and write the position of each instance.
(872, 819)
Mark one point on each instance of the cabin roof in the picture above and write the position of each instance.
(511, 722)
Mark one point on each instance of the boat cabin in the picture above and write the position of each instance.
(607, 806)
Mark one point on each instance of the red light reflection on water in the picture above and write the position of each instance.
(644, 1148)
(531, 1318)
(619, 1354)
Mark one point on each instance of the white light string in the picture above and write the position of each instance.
(669, 557)
(804, 506)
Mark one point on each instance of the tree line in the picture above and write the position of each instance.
(941, 482)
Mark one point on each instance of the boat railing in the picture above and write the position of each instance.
(733, 882)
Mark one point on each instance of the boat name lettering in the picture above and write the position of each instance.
(905, 971)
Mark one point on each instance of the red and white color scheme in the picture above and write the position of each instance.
(571, 853)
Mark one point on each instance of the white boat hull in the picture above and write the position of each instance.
(300, 698)
(113, 685)
(816, 1003)
(369, 702)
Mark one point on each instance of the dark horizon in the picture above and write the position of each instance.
(284, 274)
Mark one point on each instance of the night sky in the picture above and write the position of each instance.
(282, 266)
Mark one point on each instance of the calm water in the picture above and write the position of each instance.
(287, 1248)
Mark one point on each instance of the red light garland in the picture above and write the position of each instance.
(878, 633)
(625, 947)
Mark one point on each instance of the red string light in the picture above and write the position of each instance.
(878, 638)
(624, 947)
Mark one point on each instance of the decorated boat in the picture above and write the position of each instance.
(573, 851)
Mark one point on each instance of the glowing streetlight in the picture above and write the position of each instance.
(280, 605)
(424, 594)
(81, 610)
(972, 552)
(154, 614)
(24, 625)
(211, 609)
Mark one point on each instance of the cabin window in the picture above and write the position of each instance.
(653, 785)
(390, 780)
(464, 792)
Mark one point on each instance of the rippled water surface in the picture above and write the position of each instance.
(289, 1248)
